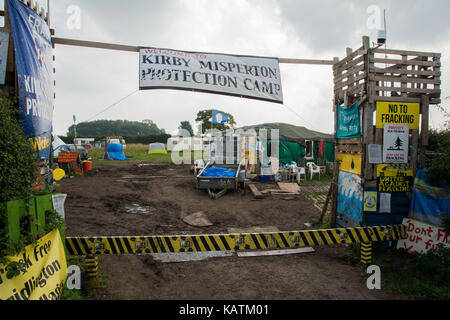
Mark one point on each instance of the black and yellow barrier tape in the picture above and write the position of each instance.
(85, 246)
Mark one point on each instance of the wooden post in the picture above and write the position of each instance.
(424, 106)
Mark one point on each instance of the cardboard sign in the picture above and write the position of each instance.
(67, 157)
(422, 237)
(350, 163)
(395, 143)
(398, 113)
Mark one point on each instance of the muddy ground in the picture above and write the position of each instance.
(129, 198)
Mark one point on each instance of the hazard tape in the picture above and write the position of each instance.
(85, 246)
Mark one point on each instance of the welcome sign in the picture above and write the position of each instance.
(243, 76)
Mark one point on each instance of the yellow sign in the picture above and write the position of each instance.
(394, 170)
(46, 271)
(398, 113)
(350, 163)
(397, 177)
(370, 201)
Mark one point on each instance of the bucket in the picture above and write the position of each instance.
(87, 166)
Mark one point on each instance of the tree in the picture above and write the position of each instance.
(186, 125)
(205, 117)
(100, 128)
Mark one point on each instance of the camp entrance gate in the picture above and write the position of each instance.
(93, 246)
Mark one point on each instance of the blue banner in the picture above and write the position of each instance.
(33, 50)
(348, 125)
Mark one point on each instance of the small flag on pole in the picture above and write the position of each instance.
(219, 117)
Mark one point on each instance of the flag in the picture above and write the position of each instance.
(320, 153)
(219, 117)
(74, 119)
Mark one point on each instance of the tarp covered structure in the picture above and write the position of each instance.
(292, 141)
(115, 152)
(157, 148)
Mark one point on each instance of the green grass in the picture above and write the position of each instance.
(138, 152)
(418, 276)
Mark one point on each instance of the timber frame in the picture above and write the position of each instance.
(370, 75)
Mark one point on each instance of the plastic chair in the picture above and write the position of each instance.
(297, 172)
(313, 168)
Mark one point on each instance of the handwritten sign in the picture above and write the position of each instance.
(67, 157)
(46, 271)
(242, 76)
(394, 178)
(422, 237)
(398, 113)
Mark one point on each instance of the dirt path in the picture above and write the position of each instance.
(126, 198)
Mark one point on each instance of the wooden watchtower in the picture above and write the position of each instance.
(389, 87)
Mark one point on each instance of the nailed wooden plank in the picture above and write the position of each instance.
(408, 79)
(93, 44)
(340, 83)
(347, 59)
(306, 61)
(244, 254)
(391, 70)
(414, 152)
(406, 62)
(412, 90)
(256, 193)
(289, 187)
(424, 134)
(408, 52)
(348, 65)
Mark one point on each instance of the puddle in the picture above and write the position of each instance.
(138, 209)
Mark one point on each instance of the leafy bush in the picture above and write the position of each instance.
(18, 164)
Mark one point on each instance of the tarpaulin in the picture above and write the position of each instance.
(429, 202)
(219, 172)
(33, 50)
(115, 152)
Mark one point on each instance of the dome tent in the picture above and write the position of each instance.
(157, 148)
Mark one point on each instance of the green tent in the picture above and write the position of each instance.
(292, 142)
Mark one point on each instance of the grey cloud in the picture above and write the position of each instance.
(331, 24)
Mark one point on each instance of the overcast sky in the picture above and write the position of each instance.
(89, 80)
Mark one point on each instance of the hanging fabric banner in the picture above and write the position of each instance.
(243, 76)
(33, 50)
(348, 122)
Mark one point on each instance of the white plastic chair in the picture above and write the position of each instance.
(297, 172)
(313, 168)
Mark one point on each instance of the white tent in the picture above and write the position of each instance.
(57, 142)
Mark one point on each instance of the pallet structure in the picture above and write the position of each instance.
(400, 79)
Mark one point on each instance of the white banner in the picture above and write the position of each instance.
(395, 143)
(243, 76)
